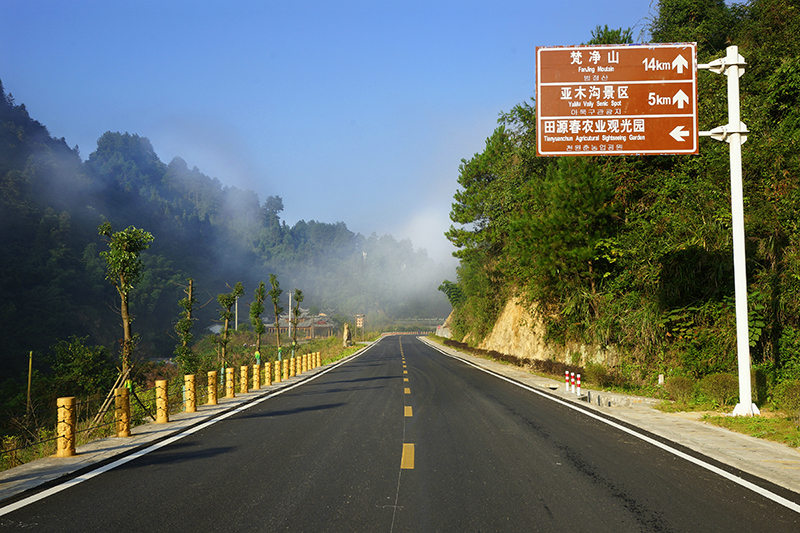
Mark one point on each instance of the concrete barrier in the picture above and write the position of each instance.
(162, 402)
(122, 411)
(67, 420)
(190, 394)
(212, 388)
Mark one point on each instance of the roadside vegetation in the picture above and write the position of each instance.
(713, 397)
(632, 256)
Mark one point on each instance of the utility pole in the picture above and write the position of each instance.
(735, 134)
(30, 373)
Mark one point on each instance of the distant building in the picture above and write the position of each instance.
(308, 326)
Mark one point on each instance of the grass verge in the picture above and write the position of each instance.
(771, 426)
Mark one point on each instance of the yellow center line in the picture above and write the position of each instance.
(408, 411)
(407, 462)
(405, 371)
(405, 379)
(408, 390)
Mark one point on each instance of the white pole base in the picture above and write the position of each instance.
(744, 410)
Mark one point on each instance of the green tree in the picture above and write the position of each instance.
(79, 370)
(605, 35)
(188, 362)
(709, 23)
(298, 298)
(124, 270)
(275, 296)
(453, 292)
(227, 301)
(256, 308)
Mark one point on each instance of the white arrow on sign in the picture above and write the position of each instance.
(680, 98)
(680, 63)
(678, 134)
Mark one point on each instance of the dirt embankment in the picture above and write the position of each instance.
(518, 332)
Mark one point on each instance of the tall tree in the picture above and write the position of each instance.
(298, 298)
(605, 35)
(561, 246)
(256, 308)
(275, 295)
(187, 360)
(124, 270)
(227, 301)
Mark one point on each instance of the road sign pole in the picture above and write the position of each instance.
(732, 65)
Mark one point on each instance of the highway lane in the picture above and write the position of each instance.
(334, 454)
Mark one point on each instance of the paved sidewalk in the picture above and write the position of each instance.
(765, 459)
(771, 461)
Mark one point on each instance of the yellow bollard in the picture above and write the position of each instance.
(304, 363)
(277, 371)
(67, 418)
(230, 383)
(162, 402)
(122, 414)
(285, 366)
(212, 387)
(256, 376)
(291, 367)
(190, 402)
(268, 374)
(243, 379)
(319, 358)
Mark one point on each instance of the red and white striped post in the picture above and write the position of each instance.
(572, 375)
(566, 380)
(579, 384)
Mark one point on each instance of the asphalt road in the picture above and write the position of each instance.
(404, 438)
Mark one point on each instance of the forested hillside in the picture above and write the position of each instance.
(635, 253)
(52, 278)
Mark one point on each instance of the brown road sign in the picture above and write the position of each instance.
(617, 100)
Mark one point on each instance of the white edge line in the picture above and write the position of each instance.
(727, 475)
(110, 466)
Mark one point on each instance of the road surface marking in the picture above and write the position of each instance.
(407, 462)
(408, 411)
(658, 444)
(408, 390)
(405, 379)
(200, 425)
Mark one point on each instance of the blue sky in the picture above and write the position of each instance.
(353, 111)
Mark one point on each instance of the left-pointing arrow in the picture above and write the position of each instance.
(678, 134)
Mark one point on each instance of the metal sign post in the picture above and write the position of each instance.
(735, 134)
(642, 99)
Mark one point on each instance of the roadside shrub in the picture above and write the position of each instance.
(720, 388)
(787, 396)
(598, 374)
(679, 388)
(545, 366)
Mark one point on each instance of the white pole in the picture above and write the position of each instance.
(237, 314)
(745, 407)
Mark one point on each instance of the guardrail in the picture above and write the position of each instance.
(78, 422)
